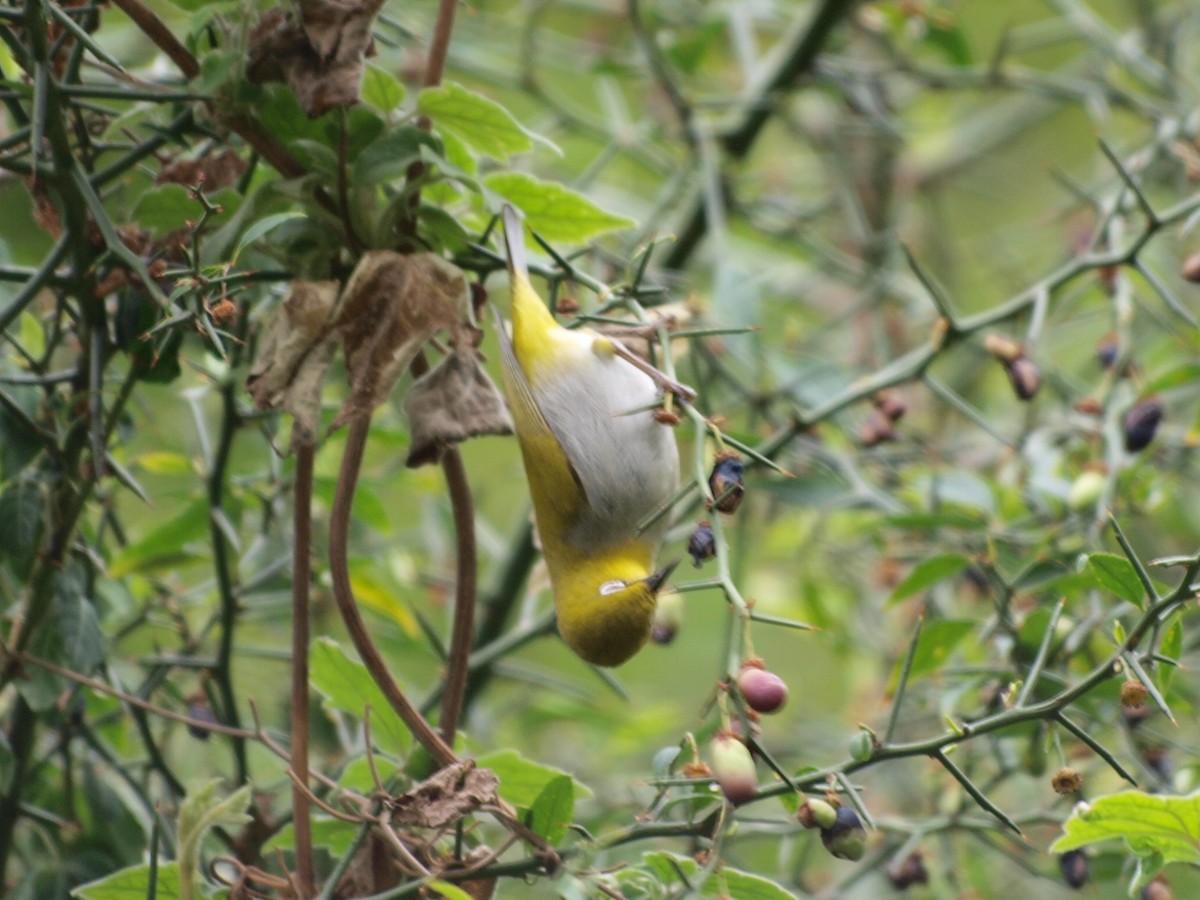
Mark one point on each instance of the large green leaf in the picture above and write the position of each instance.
(134, 884)
(165, 545)
(349, 688)
(551, 813)
(21, 523)
(481, 123)
(522, 781)
(555, 212)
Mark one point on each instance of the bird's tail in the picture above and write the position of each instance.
(514, 240)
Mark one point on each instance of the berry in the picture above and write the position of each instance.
(911, 871)
(862, 746)
(817, 813)
(702, 545)
(1075, 868)
(1107, 350)
(1133, 693)
(847, 839)
(1141, 422)
(876, 429)
(734, 769)
(763, 691)
(1190, 270)
(1066, 781)
(1025, 376)
(198, 708)
(726, 482)
(891, 404)
(668, 617)
(1157, 890)
(1086, 489)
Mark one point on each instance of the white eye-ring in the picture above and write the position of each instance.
(611, 587)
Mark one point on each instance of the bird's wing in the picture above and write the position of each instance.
(554, 473)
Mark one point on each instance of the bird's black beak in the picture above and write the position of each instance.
(659, 578)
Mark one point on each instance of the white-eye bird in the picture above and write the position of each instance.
(595, 469)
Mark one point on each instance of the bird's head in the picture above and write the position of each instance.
(605, 606)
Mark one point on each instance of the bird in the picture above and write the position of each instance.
(597, 461)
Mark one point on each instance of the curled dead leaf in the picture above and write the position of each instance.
(454, 401)
(391, 305)
(320, 55)
(449, 795)
(294, 354)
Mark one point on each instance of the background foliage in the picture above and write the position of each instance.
(835, 200)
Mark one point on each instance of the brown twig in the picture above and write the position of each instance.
(339, 570)
(158, 32)
(302, 536)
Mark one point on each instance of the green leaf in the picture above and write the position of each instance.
(483, 124)
(927, 573)
(447, 890)
(951, 41)
(381, 88)
(522, 781)
(1188, 373)
(729, 882)
(165, 545)
(204, 809)
(165, 208)
(133, 884)
(1170, 648)
(934, 646)
(389, 155)
(21, 524)
(348, 687)
(1151, 825)
(551, 813)
(75, 619)
(333, 834)
(260, 228)
(1116, 574)
(555, 212)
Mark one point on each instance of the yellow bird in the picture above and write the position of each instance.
(595, 468)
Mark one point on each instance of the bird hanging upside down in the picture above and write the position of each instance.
(595, 469)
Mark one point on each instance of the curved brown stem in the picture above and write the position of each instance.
(302, 531)
(339, 570)
(461, 637)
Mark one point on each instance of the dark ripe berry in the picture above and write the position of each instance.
(876, 429)
(726, 482)
(847, 839)
(1106, 351)
(1025, 376)
(1190, 270)
(1157, 890)
(479, 296)
(763, 691)
(1075, 868)
(198, 708)
(911, 871)
(1135, 715)
(1141, 422)
(1158, 761)
(702, 545)
(1133, 693)
(817, 813)
(734, 769)
(1066, 781)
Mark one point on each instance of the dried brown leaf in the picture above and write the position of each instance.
(454, 401)
(446, 797)
(320, 56)
(212, 170)
(392, 304)
(295, 353)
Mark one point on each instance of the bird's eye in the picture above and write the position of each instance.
(611, 587)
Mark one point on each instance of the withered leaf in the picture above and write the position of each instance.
(295, 352)
(443, 799)
(320, 56)
(454, 401)
(392, 304)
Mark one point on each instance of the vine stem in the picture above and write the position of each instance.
(301, 633)
(339, 570)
